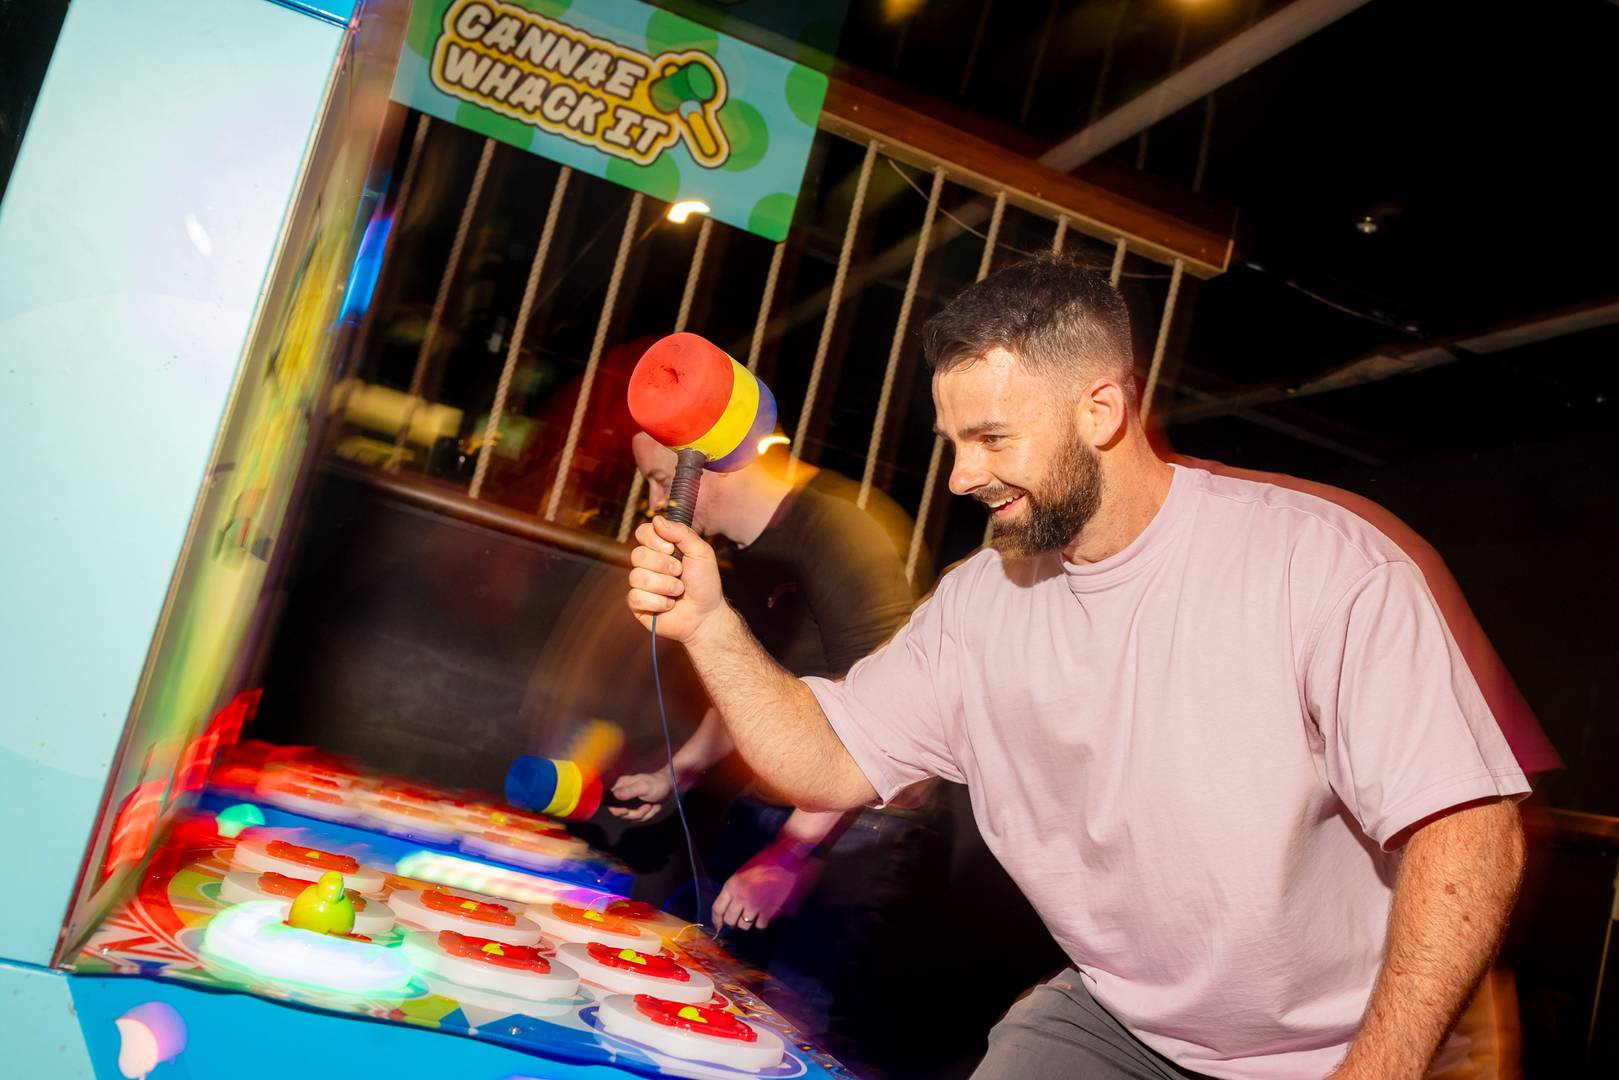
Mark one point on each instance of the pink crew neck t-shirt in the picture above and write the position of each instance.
(1191, 755)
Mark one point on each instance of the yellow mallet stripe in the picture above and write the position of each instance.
(570, 783)
(737, 419)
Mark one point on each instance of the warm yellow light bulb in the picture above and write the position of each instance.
(685, 208)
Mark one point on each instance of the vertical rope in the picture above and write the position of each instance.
(422, 354)
(1118, 263)
(764, 307)
(695, 269)
(920, 524)
(832, 301)
(987, 259)
(1060, 235)
(898, 345)
(1163, 338)
(498, 409)
(931, 481)
(602, 323)
(692, 273)
(407, 179)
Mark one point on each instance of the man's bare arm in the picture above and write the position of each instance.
(777, 724)
(1457, 883)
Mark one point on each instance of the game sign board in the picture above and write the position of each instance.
(621, 90)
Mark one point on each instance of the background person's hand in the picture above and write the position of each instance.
(768, 887)
(652, 789)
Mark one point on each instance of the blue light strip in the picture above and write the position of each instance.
(336, 12)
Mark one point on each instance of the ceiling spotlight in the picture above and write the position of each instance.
(778, 439)
(1371, 218)
(680, 211)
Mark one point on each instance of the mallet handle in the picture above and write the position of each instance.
(683, 488)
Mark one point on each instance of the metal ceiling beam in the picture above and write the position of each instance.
(1236, 57)
(1386, 364)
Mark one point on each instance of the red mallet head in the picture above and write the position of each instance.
(689, 394)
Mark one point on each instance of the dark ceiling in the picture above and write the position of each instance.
(1476, 136)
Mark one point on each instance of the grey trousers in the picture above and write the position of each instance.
(1059, 1032)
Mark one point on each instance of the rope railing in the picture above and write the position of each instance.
(451, 263)
(497, 410)
(637, 482)
(849, 275)
(609, 302)
(827, 324)
(885, 395)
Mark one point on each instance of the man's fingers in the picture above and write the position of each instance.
(643, 602)
(632, 786)
(763, 920)
(647, 559)
(653, 582)
(682, 536)
(648, 537)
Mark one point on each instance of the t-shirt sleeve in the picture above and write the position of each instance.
(1405, 731)
(890, 710)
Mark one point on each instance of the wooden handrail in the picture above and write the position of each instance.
(917, 138)
(1574, 827)
(456, 504)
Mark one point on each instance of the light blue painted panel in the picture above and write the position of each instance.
(135, 237)
(39, 1034)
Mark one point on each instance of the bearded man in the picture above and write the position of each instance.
(1215, 729)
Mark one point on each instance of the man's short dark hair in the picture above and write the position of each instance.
(1056, 316)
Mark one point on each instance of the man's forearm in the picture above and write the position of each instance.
(1457, 883)
(775, 721)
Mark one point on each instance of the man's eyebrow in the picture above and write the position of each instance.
(987, 427)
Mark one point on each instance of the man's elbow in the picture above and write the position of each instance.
(837, 794)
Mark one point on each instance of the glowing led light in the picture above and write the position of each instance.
(778, 439)
(233, 819)
(457, 873)
(685, 208)
(251, 939)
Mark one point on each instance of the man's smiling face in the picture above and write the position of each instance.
(1018, 450)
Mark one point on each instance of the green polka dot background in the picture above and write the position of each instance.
(766, 106)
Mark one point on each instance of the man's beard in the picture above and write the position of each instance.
(1057, 511)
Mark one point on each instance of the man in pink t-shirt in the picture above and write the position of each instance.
(1216, 729)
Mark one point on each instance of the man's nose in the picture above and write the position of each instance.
(967, 476)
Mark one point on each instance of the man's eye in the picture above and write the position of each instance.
(992, 440)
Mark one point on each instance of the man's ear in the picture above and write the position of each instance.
(1103, 412)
